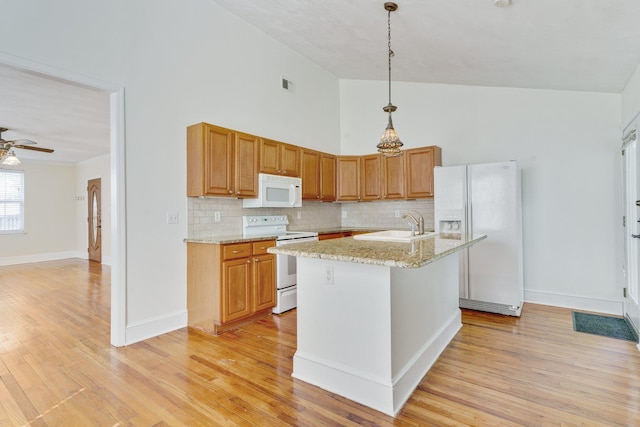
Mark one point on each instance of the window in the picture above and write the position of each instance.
(11, 201)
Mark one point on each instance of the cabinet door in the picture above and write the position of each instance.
(264, 282)
(310, 174)
(290, 160)
(348, 179)
(218, 161)
(269, 156)
(246, 165)
(327, 177)
(393, 177)
(420, 163)
(370, 176)
(236, 289)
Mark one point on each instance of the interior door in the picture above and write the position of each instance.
(94, 220)
(631, 224)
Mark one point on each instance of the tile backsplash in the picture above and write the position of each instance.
(383, 214)
(313, 215)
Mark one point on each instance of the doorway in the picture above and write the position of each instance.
(94, 221)
(631, 223)
(118, 176)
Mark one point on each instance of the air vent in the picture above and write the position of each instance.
(287, 84)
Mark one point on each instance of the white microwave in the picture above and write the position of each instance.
(275, 191)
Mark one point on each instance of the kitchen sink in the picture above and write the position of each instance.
(393, 236)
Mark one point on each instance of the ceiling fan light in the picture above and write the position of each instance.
(11, 159)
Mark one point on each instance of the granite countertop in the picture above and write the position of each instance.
(231, 238)
(391, 254)
(239, 238)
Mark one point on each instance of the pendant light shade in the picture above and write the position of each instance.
(390, 143)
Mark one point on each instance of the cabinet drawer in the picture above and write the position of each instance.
(239, 250)
(260, 248)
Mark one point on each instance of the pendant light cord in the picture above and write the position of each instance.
(390, 51)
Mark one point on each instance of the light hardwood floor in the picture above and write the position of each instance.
(57, 368)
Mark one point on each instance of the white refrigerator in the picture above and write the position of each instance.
(484, 199)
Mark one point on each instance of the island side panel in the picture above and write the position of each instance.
(344, 337)
(424, 319)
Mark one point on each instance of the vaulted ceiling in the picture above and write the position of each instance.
(585, 45)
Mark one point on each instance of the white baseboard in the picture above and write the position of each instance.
(149, 328)
(377, 393)
(26, 259)
(405, 383)
(53, 256)
(573, 301)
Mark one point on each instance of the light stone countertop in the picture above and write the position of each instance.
(231, 238)
(239, 238)
(391, 254)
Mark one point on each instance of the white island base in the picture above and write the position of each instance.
(370, 333)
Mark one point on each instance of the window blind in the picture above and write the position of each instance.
(11, 201)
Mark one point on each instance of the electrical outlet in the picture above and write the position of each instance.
(344, 214)
(172, 217)
(216, 216)
(299, 215)
(397, 212)
(328, 276)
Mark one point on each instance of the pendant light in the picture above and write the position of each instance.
(390, 143)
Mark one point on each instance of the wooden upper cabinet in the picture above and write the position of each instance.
(348, 178)
(393, 178)
(419, 163)
(310, 172)
(278, 158)
(209, 160)
(318, 173)
(224, 162)
(246, 165)
(290, 155)
(221, 162)
(327, 177)
(371, 173)
(269, 157)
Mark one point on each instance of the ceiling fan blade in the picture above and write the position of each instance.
(21, 141)
(26, 147)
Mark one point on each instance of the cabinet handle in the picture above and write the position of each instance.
(237, 251)
(636, 236)
(248, 261)
(238, 192)
(256, 260)
(230, 191)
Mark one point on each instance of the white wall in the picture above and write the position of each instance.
(98, 167)
(567, 146)
(180, 63)
(50, 215)
(631, 98)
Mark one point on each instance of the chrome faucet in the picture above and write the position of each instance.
(416, 222)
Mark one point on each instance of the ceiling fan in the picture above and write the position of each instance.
(8, 157)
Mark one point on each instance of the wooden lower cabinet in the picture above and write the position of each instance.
(264, 283)
(229, 285)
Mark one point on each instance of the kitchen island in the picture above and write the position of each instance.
(374, 316)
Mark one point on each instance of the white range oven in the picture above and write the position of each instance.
(286, 272)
